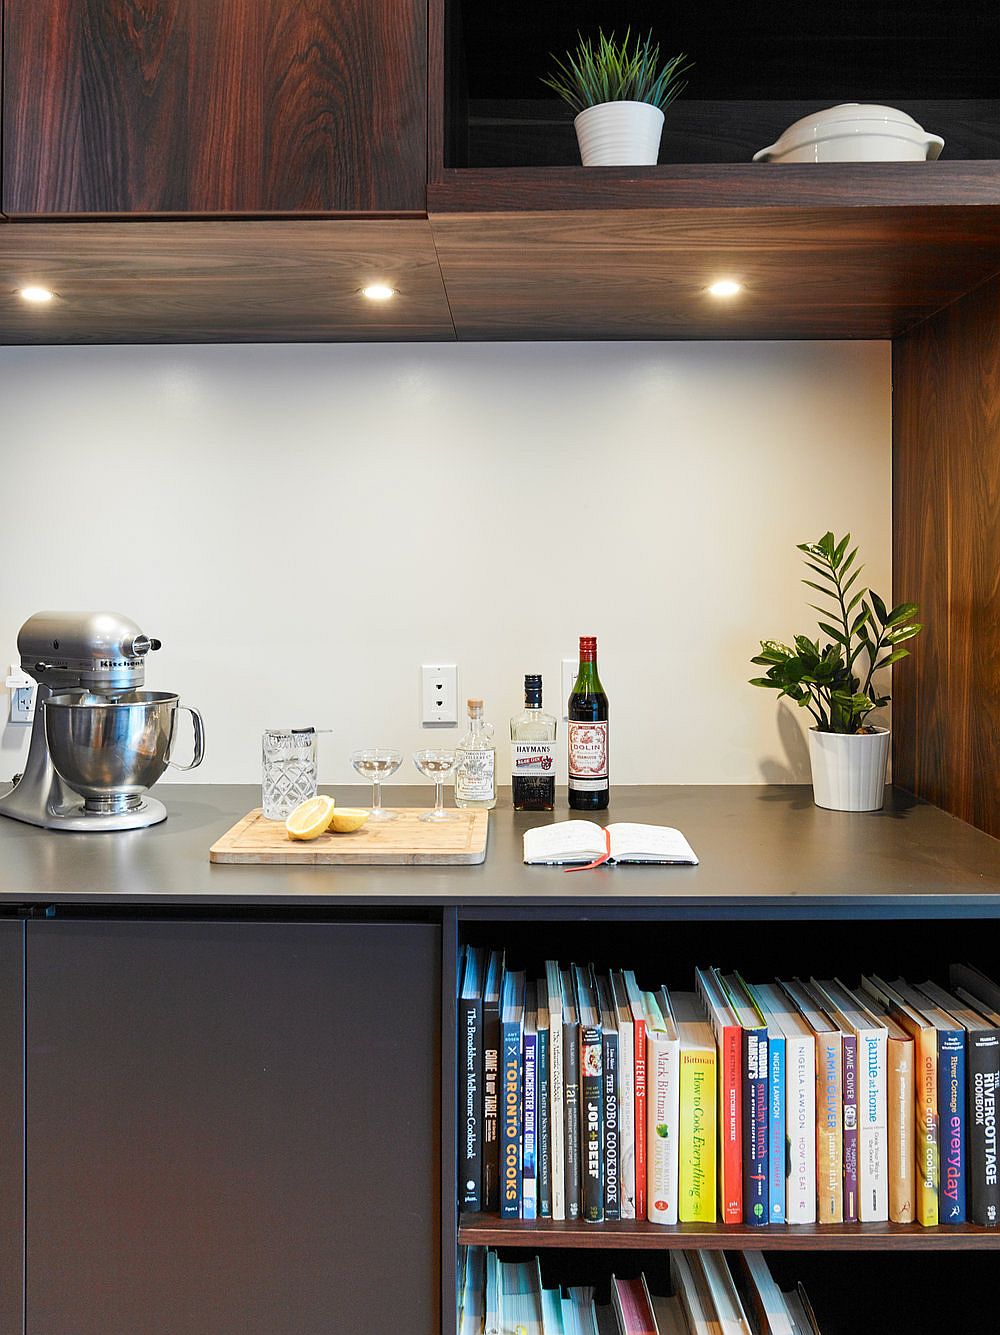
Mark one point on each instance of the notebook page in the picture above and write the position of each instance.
(566, 841)
(649, 843)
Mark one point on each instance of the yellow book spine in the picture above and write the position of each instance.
(697, 1136)
(927, 1128)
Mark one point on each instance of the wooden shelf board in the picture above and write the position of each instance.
(483, 1230)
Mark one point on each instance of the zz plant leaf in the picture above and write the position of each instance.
(835, 682)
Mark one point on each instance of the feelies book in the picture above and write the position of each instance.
(585, 842)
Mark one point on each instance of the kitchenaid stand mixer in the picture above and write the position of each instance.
(97, 741)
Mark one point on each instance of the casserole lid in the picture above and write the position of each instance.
(849, 118)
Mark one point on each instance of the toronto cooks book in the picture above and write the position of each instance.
(511, 1025)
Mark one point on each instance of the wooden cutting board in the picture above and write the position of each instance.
(407, 841)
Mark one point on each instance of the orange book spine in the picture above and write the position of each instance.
(901, 1130)
(640, 1118)
(731, 1126)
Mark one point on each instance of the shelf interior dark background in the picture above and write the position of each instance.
(755, 69)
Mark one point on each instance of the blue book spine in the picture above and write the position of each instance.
(510, 1123)
(776, 1126)
(952, 1119)
(529, 1104)
(756, 1081)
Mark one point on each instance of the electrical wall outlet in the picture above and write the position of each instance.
(22, 696)
(570, 669)
(438, 694)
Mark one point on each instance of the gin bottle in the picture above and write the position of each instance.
(532, 752)
(476, 765)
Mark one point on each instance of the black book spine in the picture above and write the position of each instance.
(755, 1127)
(571, 1116)
(612, 1181)
(491, 1107)
(983, 1095)
(592, 1123)
(470, 1012)
(544, 1128)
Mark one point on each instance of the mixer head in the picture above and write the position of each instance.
(103, 652)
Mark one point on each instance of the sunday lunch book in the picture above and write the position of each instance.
(582, 841)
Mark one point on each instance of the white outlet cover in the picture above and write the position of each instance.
(438, 694)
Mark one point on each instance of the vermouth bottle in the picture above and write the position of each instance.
(588, 734)
(475, 766)
(532, 752)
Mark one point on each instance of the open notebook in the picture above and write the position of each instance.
(583, 841)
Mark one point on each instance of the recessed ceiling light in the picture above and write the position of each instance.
(378, 292)
(37, 295)
(725, 287)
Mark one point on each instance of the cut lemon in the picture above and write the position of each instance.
(310, 819)
(347, 819)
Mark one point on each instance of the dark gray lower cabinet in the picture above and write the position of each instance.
(232, 1128)
(11, 1126)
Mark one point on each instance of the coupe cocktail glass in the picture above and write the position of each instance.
(376, 764)
(437, 765)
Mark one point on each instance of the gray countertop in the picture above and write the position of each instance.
(765, 851)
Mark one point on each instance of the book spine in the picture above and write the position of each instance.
(592, 1123)
(556, 1116)
(731, 1125)
(755, 1128)
(850, 1096)
(984, 1089)
(510, 1124)
(829, 1130)
(873, 1185)
(776, 1156)
(901, 1130)
(626, 1121)
(491, 1107)
(696, 1138)
(471, 1158)
(571, 1117)
(662, 1131)
(529, 1133)
(639, 1123)
(612, 1193)
(544, 1128)
(952, 1208)
(800, 1112)
(927, 1127)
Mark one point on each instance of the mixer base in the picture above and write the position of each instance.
(72, 817)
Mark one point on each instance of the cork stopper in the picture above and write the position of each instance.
(475, 708)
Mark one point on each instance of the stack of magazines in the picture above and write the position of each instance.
(585, 1096)
(706, 1297)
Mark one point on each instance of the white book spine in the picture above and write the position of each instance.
(556, 1137)
(873, 1120)
(800, 1112)
(626, 1117)
(662, 1123)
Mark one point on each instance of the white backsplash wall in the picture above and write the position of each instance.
(303, 526)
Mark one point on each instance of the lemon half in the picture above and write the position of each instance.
(310, 819)
(348, 819)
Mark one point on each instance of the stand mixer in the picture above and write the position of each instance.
(98, 743)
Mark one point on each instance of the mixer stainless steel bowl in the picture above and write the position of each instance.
(112, 751)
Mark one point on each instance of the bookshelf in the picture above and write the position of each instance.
(783, 887)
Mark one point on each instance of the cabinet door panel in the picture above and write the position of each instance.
(11, 1126)
(214, 106)
(232, 1127)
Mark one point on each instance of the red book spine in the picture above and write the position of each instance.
(640, 1118)
(731, 1126)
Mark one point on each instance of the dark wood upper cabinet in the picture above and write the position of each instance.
(214, 106)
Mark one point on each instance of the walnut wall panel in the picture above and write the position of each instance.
(214, 106)
(946, 556)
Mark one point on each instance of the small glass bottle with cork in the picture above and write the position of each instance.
(475, 766)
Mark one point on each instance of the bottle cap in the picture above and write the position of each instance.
(532, 681)
(475, 708)
(588, 646)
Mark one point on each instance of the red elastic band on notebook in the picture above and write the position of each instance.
(600, 861)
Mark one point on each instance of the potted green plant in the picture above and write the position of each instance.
(619, 91)
(836, 681)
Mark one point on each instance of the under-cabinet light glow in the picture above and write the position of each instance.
(38, 295)
(725, 287)
(378, 292)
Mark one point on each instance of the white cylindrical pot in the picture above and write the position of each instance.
(848, 769)
(619, 134)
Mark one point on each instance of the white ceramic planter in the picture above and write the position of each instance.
(619, 134)
(848, 771)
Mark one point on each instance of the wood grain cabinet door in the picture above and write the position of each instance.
(214, 106)
(232, 1128)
